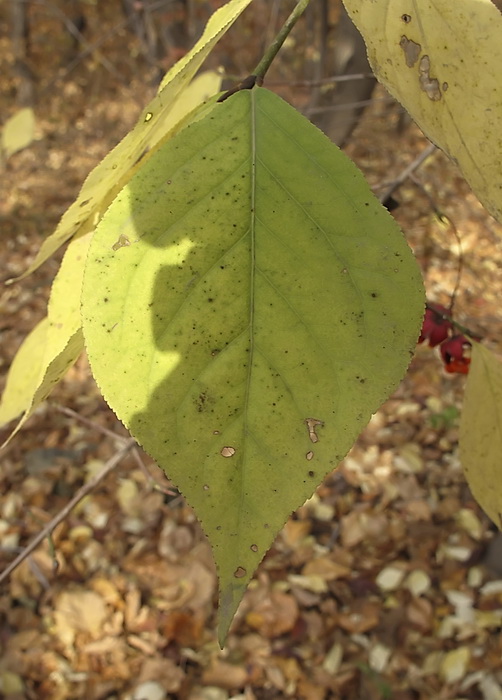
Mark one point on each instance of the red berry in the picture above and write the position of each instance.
(435, 327)
(456, 354)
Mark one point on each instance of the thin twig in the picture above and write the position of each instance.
(405, 174)
(64, 512)
(350, 105)
(459, 326)
(443, 218)
(77, 34)
(150, 479)
(89, 49)
(89, 423)
(152, 482)
(347, 77)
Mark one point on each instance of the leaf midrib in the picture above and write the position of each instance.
(252, 279)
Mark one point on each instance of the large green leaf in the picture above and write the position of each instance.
(247, 305)
(442, 59)
(481, 431)
(166, 112)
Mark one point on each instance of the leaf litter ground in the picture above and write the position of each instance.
(386, 584)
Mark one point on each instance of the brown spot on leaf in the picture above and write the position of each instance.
(201, 402)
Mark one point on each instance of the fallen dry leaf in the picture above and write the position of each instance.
(274, 615)
(225, 675)
(78, 611)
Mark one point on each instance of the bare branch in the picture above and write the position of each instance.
(63, 513)
(150, 479)
(405, 174)
(89, 423)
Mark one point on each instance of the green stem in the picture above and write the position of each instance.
(279, 40)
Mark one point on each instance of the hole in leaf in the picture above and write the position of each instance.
(121, 242)
(240, 572)
(428, 84)
(312, 424)
(411, 50)
(227, 451)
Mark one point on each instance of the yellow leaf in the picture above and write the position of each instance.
(163, 115)
(64, 300)
(78, 611)
(18, 132)
(53, 346)
(54, 372)
(454, 664)
(442, 60)
(481, 431)
(219, 22)
(24, 374)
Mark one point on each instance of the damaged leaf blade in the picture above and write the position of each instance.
(243, 314)
(443, 60)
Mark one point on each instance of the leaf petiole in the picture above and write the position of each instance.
(258, 75)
